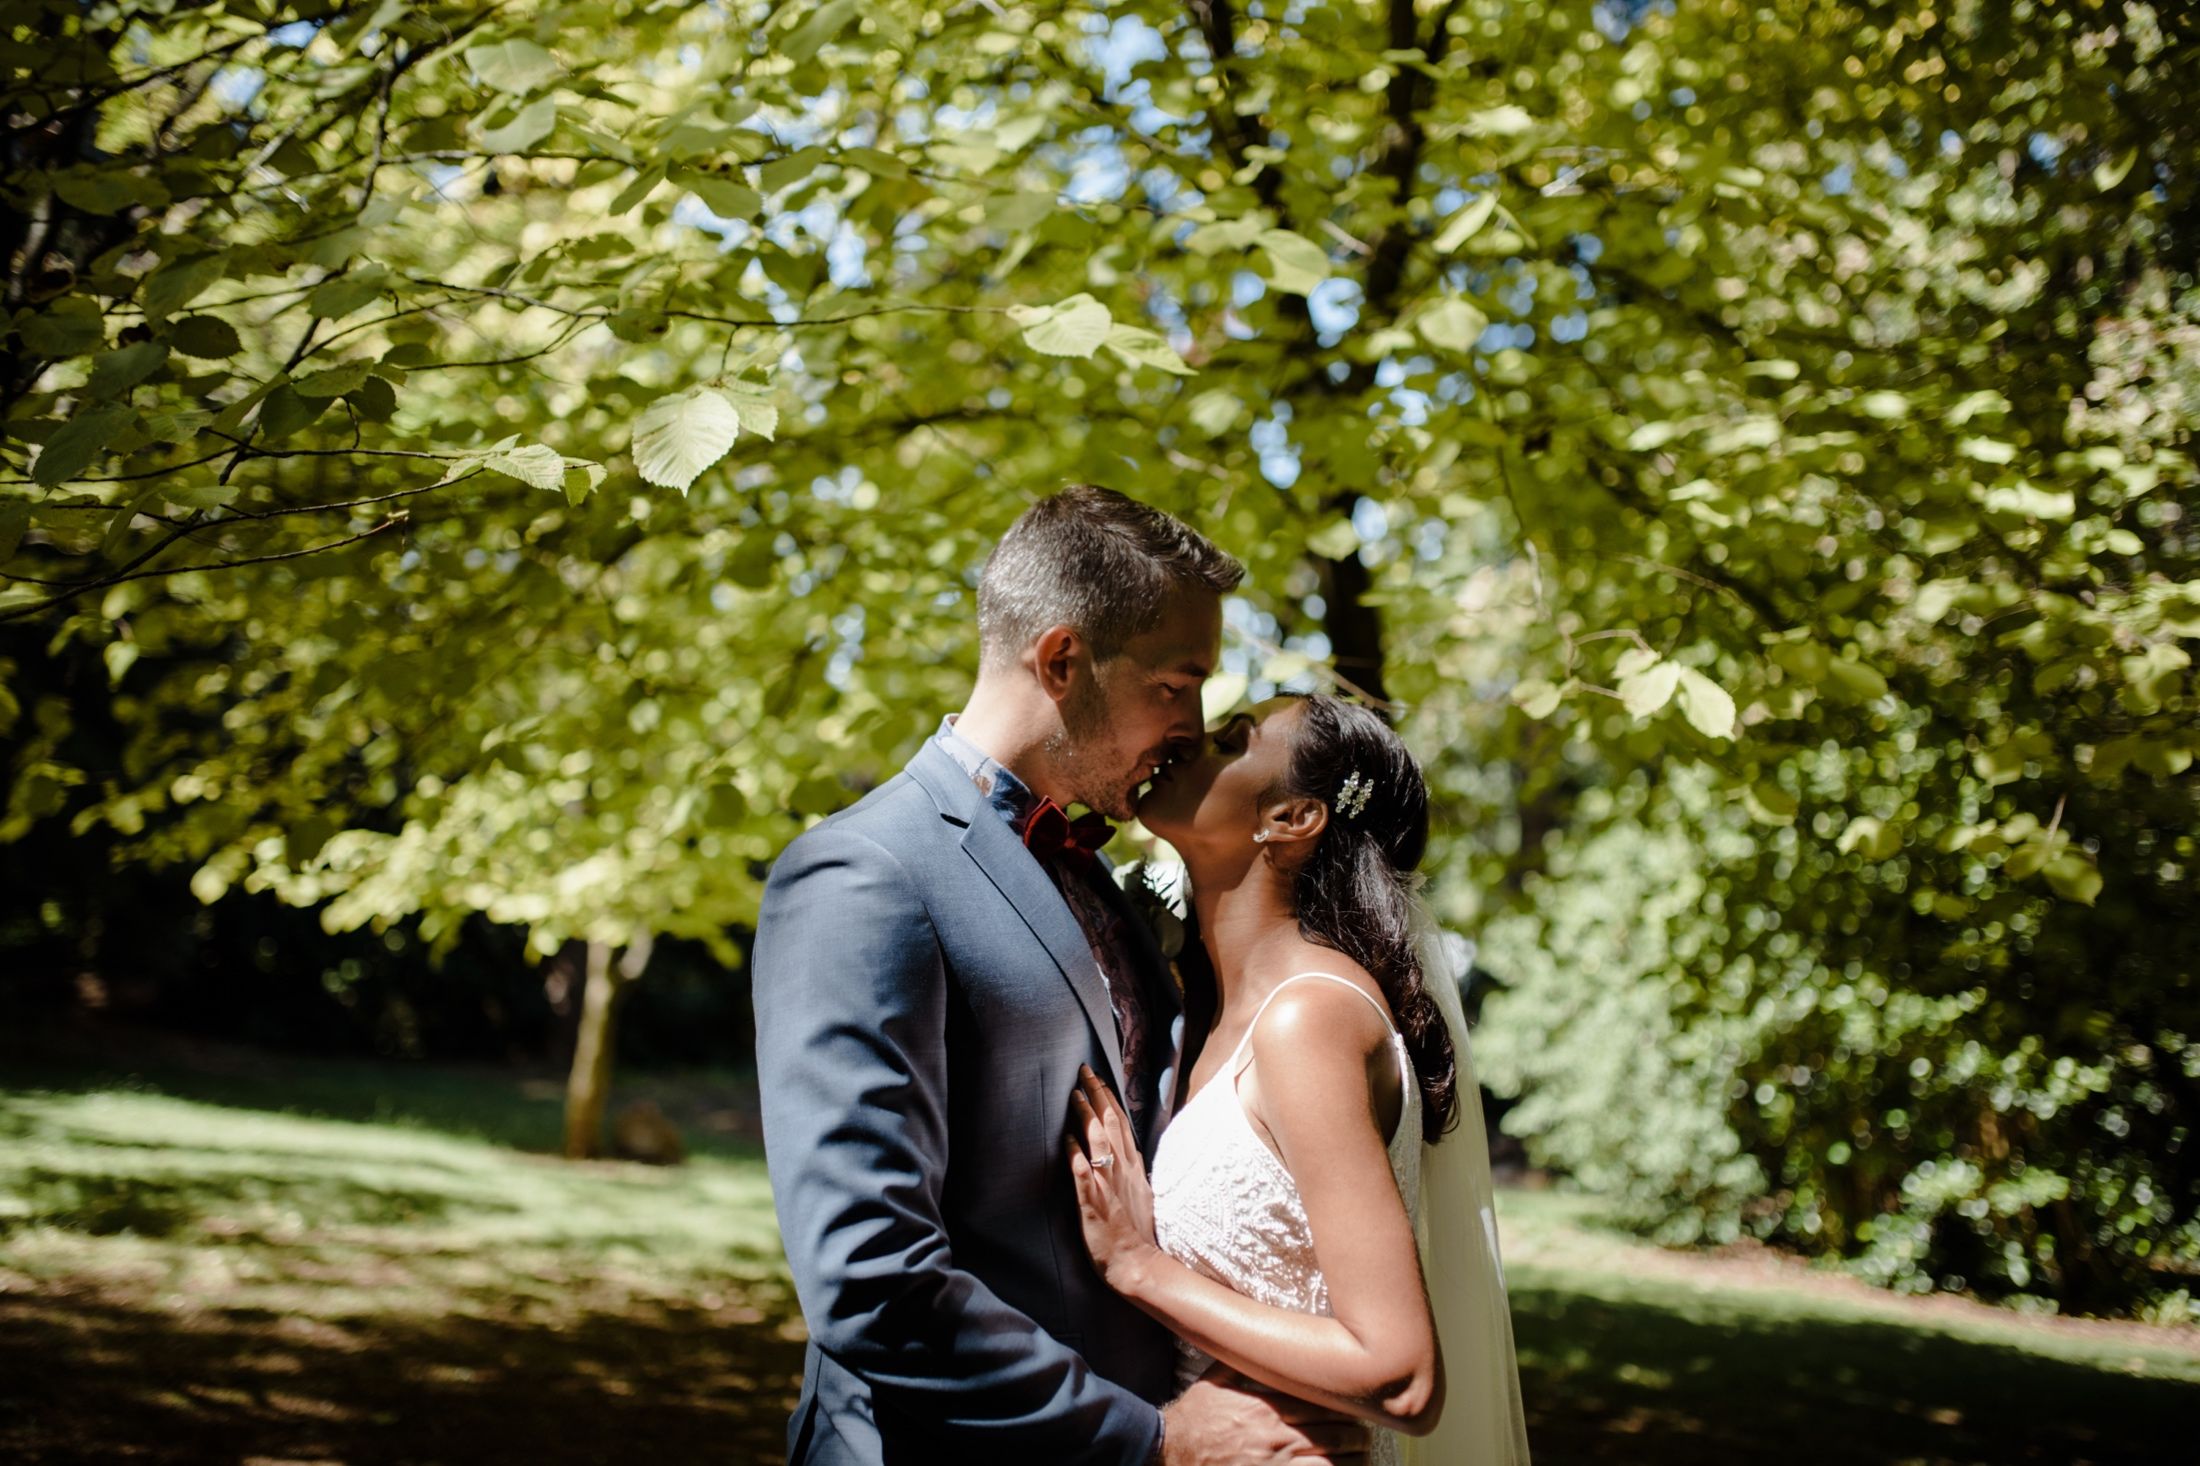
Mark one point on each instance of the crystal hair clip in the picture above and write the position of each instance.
(1352, 798)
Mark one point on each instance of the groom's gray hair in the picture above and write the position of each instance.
(1096, 561)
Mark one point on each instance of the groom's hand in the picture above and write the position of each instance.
(1225, 1419)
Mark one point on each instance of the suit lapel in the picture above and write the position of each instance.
(1020, 879)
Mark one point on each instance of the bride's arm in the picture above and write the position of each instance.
(1377, 1356)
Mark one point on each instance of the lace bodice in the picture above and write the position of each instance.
(1226, 1207)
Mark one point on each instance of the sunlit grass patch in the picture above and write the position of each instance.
(205, 1206)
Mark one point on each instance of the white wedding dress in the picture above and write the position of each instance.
(1226, 1207)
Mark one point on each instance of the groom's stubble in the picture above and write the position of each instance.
(1086, 761)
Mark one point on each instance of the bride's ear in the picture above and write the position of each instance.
(1289, 826)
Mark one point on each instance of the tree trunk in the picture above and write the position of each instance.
(588, 1087)
(1355, 630)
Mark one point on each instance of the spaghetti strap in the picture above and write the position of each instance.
(1231, 1066)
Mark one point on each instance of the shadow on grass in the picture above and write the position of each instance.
(88, 1381)
(85, 1381)
(518, 1107)
(1657, 1380)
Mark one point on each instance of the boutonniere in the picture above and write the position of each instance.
(1156, 896)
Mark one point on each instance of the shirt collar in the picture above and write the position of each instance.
(1010, 797)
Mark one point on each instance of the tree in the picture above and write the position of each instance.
(530, 463)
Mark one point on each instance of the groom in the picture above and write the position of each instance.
(932, 965)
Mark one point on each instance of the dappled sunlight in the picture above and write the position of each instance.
(1631, 1352)
(179, 1278)
(198, 1387)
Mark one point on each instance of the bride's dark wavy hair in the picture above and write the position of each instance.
(1353, 893)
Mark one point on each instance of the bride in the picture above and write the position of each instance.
(1318, 1217)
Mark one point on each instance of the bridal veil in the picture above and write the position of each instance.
(1482, 1423)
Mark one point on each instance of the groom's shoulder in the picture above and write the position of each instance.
(895, 807)
(900, 816)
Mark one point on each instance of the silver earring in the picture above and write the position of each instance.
(1260, 836)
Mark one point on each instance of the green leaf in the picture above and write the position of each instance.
(1648, 686)
(1757, 431)
(581, 479)
(209, 338)
(1874, 837)
(1452, 324)
(779, 173)
(530, 464)
(1768, 803)
(1465, 224)
(1074, 327)
(1220, 693)
(119, 656)
(1706, 705)
(79, 442)
(678, 437)
(2074, 877)
(1295, 263)
(374, 399)
(1225, 235)
(1215, 411)
(2031, 857)
(1987, 450)
(1855, 681)
(823, 23)
(643, 184)
(339, 297)
(2111, 171)
(2030, 502)
(513, 66)
(1971, 404)
(1536, 697)
(231, 418)
(885, 165)
(179, 282)
(70, 326)
(1141, 347)
(121, 369)
(1334, 540)
(14, 519)
(728, 198)
(1504, 121)
(754, 406)
(108, 190)
(175, 424)
(285, 412)
(1886, 406)
(201, 494)
(334, 382)
(530, 125)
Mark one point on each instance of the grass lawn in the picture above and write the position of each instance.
(216, 1256)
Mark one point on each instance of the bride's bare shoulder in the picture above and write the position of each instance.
(1340, 1010)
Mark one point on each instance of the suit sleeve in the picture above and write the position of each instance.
(851, 1005)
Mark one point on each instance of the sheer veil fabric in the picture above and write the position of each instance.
(1483, 1423)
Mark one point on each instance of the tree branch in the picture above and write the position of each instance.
(20, 613)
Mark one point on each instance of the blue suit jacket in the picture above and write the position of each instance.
(923, 999)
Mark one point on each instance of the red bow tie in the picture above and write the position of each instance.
(1050, 833)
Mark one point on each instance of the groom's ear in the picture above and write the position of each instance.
(1053, 659)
